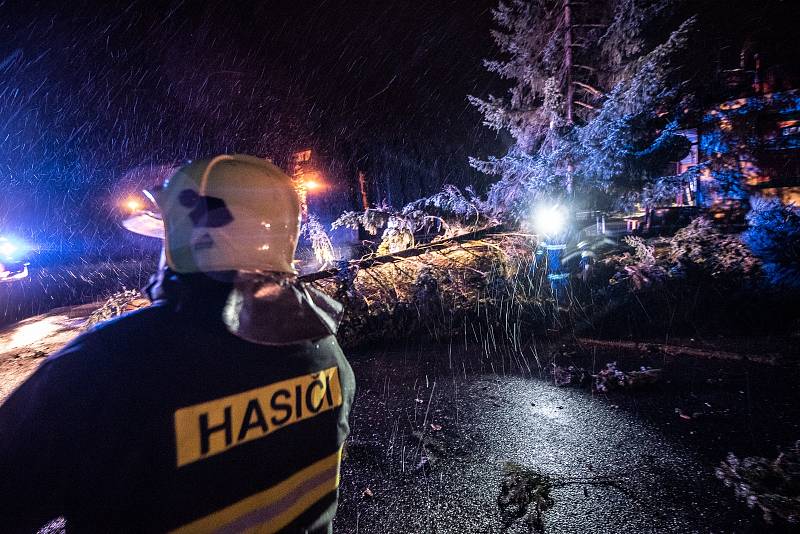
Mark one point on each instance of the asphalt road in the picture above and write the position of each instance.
(431, 443)
(435, 429)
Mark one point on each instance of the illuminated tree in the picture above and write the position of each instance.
(635, 133)
(548, 56)
(594, 101)
(774, 236)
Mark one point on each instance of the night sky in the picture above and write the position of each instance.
(95, 97)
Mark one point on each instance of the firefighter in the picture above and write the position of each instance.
(223, 406)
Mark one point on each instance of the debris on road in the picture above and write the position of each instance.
(612, 378)
(570, 376)
(771, 485)
(526, 493)
(117, 304)
(521, 489)
(607, 379)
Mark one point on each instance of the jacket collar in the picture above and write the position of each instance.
(257, 308)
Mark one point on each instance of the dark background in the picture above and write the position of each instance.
(96, 98)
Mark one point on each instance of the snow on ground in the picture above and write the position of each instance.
(24, 345)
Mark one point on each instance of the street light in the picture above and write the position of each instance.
(312, 184)
(141, 219)
(305, 183)
(133, 204)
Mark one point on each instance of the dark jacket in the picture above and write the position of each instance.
(163, 419)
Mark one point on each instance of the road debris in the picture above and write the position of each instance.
(771, 485)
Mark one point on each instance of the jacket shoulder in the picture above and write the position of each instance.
(114, 336)
(149, 316)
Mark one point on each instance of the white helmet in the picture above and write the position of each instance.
(229, 213)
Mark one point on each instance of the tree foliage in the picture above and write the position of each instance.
(587, 118)
(774, 236)
(320, 241)
(447, 213)
(635, 133)
(772, 486)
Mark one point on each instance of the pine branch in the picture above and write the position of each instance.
(593, 90)
(585, 105)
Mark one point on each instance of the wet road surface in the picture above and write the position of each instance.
(431, 441)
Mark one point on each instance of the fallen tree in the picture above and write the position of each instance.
(479, 286)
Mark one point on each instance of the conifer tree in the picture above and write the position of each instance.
(595, 99)
(546, 47)
(635, 133)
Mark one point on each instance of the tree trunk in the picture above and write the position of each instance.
(362, 184)
(570, 96)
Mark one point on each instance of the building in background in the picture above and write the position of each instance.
(751, 146)
(748, 143)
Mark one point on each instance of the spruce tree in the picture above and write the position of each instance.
(635, 133)
(595, 100)
(547, 55)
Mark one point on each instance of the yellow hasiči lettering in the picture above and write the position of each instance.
(215, 426)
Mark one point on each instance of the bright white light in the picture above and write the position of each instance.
(550, 220)
(149, 196)
(7, 248)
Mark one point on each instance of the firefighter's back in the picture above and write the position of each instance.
(221, 407)
(176, 424)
